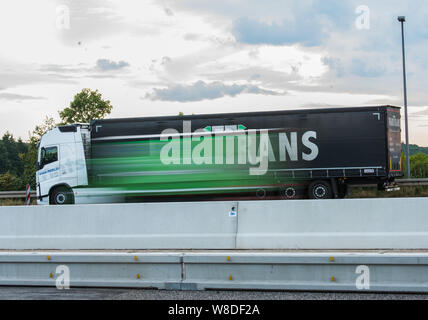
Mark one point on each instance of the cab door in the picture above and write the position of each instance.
(48, 173)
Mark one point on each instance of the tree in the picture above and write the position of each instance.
(39, 131)
(11, 154)
(30, 158)
(86, 106)
(4, 159)
(10, 182)
(419, 165)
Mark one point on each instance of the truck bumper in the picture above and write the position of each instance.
(43, 201)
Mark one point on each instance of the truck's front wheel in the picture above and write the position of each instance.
(61, 196)
(320, 190)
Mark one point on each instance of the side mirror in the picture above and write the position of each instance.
(40, 165)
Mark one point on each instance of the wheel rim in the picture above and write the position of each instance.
(261, 193)
(290, 192)
(320, 191)
(60, 198)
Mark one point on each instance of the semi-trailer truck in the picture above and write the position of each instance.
(291, 154)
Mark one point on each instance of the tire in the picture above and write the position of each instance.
(261, 193)
(62, 196)
(288, 193)
(320, 190)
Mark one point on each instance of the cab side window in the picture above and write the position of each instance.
(49, 155)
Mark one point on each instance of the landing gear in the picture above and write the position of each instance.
(342, 190)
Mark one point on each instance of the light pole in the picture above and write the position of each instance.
(402, 19)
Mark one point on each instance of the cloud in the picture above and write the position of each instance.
(83, 70)
(251, 31)
(359, 61)
(201, 91)
(20, 75)
(334, 64)
(321, 105)
(108, 65)
(419, 113)
(367, 68)
(273, 22)
(264, 75)
(92, 21)
(18, 97)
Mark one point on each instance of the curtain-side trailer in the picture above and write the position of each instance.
(292, 154)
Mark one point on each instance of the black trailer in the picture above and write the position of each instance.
(358, 145)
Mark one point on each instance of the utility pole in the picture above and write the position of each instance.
(402, 19)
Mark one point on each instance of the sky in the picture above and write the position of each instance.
(202, 56)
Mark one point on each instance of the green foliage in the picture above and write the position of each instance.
(10, 182)
(39, 131)
(86, 106)
(30, 158)
(418, 165)
(11, 154)
(18, 159)
(415, 149)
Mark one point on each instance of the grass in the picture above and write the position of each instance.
(15, 202)
(405, 192)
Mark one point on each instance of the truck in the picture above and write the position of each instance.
(289, 154)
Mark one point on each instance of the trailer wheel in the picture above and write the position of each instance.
(261, 193)
(62, 195)
(320, 190)
(288, 192)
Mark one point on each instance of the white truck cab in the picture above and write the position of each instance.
(61, 164)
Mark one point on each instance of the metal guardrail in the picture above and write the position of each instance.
(15, 194)
(412, 182)
(401, 182)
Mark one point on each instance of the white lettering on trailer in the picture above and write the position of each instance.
(310, 145)
(249, 151)
(291, 148)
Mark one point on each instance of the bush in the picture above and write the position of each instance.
(10, 182)
(418, 165)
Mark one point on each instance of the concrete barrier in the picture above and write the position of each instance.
(120, 226)
(200, 270)
(91, 269)
(315, 271)
(307, 224)
(334, 224)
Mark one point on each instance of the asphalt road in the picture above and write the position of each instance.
(48, 293)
